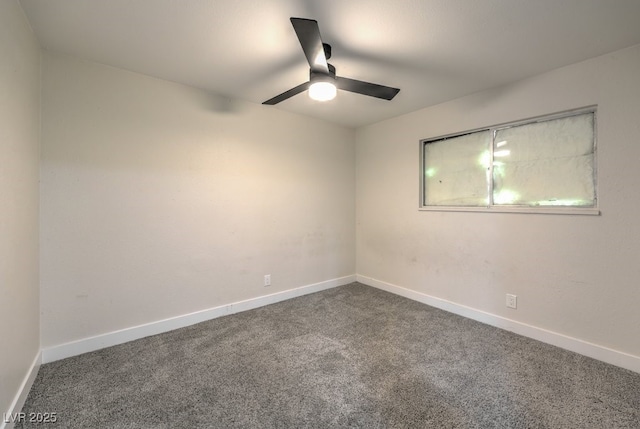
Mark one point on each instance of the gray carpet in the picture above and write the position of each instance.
(352, 356)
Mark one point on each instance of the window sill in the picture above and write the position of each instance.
(591, 211)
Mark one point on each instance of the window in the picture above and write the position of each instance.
(541, 165)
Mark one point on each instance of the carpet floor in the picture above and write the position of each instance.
(351, 356)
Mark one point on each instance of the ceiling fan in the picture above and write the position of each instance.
(323, 82)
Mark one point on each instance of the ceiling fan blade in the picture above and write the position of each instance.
(311, 42)
(288, 94)
(366, 88)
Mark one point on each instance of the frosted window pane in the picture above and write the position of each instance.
(546, 163)
(455, 170)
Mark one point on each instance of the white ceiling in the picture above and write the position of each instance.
(434, 50)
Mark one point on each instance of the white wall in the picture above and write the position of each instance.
(159, 200)
(573, 275)
(19, 146)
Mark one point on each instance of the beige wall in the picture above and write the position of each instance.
(574, 275)
(159, 200)
(19, 146)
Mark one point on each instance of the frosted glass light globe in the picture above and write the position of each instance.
(322, 91)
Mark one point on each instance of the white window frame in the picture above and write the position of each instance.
(497, 208)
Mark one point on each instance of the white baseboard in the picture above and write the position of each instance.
(97, 342)
(18, 402)
(585, 348)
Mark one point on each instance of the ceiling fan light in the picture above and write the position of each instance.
(322, 91)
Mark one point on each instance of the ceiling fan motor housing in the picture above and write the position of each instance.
(327, 50)
(319, 76)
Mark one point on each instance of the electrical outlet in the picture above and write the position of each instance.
(512, 301)
(267, 279)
